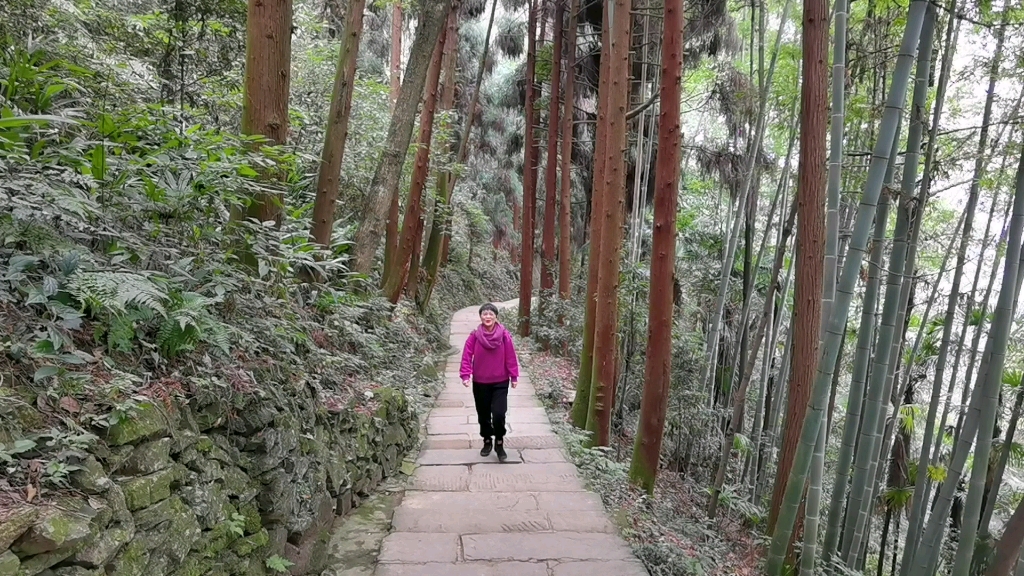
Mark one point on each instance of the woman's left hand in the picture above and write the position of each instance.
(514, 383)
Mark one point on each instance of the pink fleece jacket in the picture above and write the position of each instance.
(489, 357)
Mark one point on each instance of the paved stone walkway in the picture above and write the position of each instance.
(464, 515)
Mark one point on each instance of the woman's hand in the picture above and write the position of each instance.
(465, 382)
(515, 383)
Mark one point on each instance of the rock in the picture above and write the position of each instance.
(253, 522)
(79, 571)
(167, 531)
(103, 549)
(131, 561)
(238, 484)
(9, 564)
(91, 478)
(15, 522)
(149, 457)
(207, 502)
(248, 545)
(58, 530)
(147, 421)
(277, 500)
(146, 490)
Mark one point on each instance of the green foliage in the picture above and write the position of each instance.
(278, 564)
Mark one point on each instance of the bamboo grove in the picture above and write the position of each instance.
(781, 241)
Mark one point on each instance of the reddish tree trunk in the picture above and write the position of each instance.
(547, 276)
(396, 53)
(581, 404)
(565, 214)
(395, 278)
(391, 229)
(810, 240)
(448, 61)
(387, 175)
(529, 176)
(1009, 545)
(337, 126)
(607, 325)
(658, 369)
(268, 54)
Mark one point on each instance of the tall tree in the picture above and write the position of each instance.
(810, 232)
(439, 234)
(844, 293)
(389, 169)
(396, 276)
(268, 55)
(337, 125)
(569, 106)
(658, 368)
(581, 403)
(990, 380)
(607, 326)
(529, 175)
(547, 262)
(395, 64)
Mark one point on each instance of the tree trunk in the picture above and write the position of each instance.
(337, 126)
(547, 263)
(982, 413)
(607, 314)
(395, 278)
(810, 233)
(384, 185)
(437, 244)
(268, 55)
(529, 175)
(569, 107)
(1008, 548)
(794, 484)
(581, 403)
(441, 187)
(396, 53)
(658, 368)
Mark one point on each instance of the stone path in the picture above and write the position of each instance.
(464, 515)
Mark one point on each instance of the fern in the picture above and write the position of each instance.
(188, 323)
(117, 292)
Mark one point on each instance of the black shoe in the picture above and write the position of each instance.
(499, 449)
(486, 450)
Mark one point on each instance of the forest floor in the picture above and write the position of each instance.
(670, 533)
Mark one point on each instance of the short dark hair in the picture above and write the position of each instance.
(487, 307)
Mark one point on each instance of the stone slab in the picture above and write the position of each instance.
(455, 419)
(492, 501)
(466, 569)
(568, 501)
(581, 521)
(437, 443)
(441, 479)
(463, 457)
(417, 547)
(539, 441)
(543, 455)
(533, 547)
(516, 428)
(525, 478)
(440, 429)
(607, 568)
(470, 520)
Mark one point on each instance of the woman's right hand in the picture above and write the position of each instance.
(466, 382)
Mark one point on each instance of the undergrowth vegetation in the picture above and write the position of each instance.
(123, 276)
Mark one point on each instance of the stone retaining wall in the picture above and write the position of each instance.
(193, 489)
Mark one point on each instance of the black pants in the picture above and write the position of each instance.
(491, 404)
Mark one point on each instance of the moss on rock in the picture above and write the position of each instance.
(147, 421)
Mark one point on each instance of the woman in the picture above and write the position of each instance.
(489, 361)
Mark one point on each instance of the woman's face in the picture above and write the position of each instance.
(488, 318)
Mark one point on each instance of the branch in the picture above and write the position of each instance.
(639, 110)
